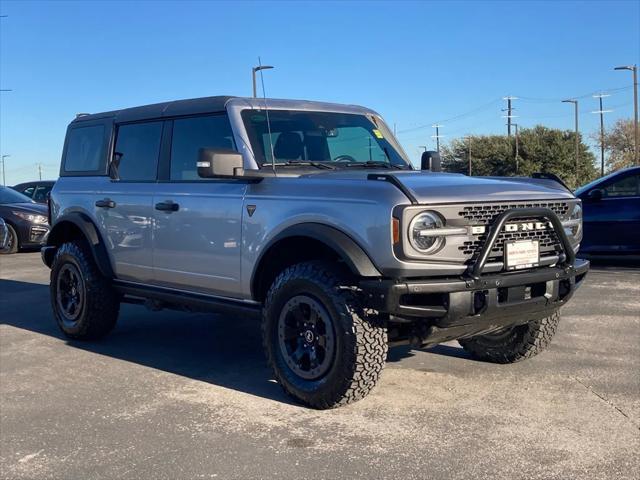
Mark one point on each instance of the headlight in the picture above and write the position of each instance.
(31, 217)
(573, 223)
(421, 234)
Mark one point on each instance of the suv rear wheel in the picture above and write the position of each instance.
(324, 349)
(84, 302)
(515, 343)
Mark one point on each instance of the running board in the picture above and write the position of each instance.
(157, 298)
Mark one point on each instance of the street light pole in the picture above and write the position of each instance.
(601, 112)
(575, 105)
(634, 69)
(253, 76)
(4, 182)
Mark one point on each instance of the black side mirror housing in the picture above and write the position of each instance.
(596, 194)
(219, 163)
(431, 161)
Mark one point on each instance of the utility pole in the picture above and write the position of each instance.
(253, 76)
(469, 153)
(437, 136)
(601, 112)
(509, 111)
(577, 134)
(4, 181)
(634, 69)
(39, 165)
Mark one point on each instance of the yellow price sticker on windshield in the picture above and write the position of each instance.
(377, 133)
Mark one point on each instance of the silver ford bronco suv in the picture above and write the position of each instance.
(311, 217)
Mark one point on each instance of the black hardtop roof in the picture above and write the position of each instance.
(165, 109)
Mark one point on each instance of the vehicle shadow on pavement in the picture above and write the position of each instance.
(225, 351)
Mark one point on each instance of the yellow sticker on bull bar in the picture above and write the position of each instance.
(377, 133)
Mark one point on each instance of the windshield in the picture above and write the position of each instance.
(11, 196)
(588, 186)
(338, 139)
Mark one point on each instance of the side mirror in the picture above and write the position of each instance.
(596, 194)
(431, 161)
(219, 163)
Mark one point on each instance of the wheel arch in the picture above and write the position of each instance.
(304, 242)
(78, 225)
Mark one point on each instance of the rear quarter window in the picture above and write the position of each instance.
(85, 149)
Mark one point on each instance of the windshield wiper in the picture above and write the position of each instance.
(374, 164)
(302, 163)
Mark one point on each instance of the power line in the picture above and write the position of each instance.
(454, 118)
(586, 95)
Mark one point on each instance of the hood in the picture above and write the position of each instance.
(430, 187)
(27, 207)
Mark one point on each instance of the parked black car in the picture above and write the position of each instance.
(4, 234)
(36, 191)
(611, 215)
(26, 220)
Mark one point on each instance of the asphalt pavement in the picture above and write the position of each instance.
(171, 395)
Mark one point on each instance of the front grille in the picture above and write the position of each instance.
(483, 214)
(549, 242)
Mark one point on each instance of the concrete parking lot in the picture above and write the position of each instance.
(177, 395)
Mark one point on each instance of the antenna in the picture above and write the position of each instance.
(266, 110)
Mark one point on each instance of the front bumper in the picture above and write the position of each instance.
(456, 308)
(476, 302)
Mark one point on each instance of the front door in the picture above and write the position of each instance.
(612, 223)
(198, 222)
(124, 206)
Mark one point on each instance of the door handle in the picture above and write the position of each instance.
(167, 206)
(106, 203)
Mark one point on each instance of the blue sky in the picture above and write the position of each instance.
(416, 63)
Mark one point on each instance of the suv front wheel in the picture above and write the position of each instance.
(325, 350)
(514, 343)
(84, 302)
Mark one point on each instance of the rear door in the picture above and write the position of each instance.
(198, 222)
(612, 223)
(124, 205)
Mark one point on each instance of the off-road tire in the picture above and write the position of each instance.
(98, 312)
(14, 246)
(360, 337)
(515, 344)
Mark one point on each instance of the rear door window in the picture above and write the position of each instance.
(85, 146)
(135, 157)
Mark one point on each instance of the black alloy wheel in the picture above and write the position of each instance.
(306, 337)
(70, 293)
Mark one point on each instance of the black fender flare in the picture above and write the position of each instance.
(348, 249)
(82, 222)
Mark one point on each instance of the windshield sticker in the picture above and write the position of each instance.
(377, 133)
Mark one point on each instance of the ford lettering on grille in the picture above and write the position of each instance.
(513, 227)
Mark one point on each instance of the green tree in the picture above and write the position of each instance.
(540, 149)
